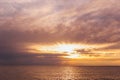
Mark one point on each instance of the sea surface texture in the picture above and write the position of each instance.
(58, 73)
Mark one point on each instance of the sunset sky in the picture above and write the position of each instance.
(60, 32)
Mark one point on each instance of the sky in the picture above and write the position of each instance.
(60, 32)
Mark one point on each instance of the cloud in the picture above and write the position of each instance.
(23, 23)
(25, 58)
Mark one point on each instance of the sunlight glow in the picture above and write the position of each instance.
(60, 48)
(69, 48)
(64, 48)
(73, 56)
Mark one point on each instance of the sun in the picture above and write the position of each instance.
(68, 48)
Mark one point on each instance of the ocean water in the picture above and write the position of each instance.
(58, 73)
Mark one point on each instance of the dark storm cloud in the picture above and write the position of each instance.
(30, 58)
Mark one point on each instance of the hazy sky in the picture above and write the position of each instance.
(44, 32)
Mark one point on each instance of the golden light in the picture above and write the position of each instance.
(59, 48)
(62, 48)
(73, 56)
(68, 48)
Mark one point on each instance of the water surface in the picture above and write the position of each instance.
(58, 73)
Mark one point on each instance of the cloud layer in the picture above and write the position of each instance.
(24, 23)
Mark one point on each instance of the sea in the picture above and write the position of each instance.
(58, 73)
